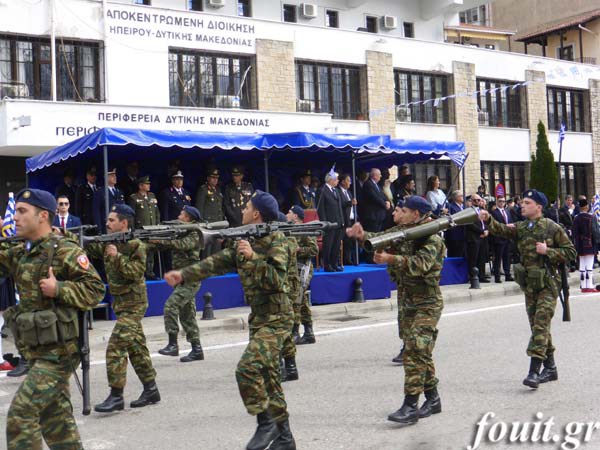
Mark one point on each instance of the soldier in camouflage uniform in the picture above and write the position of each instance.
(181, 304)
(543, 245)
(262, 268)
(125, 264)
(209, 201)
(54, 278)
(236, 196)
(146, 212)
(418, 268)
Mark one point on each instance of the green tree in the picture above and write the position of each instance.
(544, 173)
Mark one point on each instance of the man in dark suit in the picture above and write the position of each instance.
(375, 203)
(63, 219)
(349, 209)
(128, 184)
(455, 237)
(501, 245)
(174, 198)
(86, 198)
(330, 210)
(474, 235)
(68, 186)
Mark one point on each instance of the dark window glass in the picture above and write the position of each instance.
(416, 87)
(567, 106)
(567, 53)
(332, 19)
(499, 104)
(328, 88)
(195, 5)
(142, 2)
(244, 8)
(371, 23)
(574, 180)
(510, 175)
(423, 170)
(290, 13)
(409, 29)
(210, 80)
(78, 75)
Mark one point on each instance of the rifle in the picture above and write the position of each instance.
(304, 274)
(259, 230)
(76, 230)
(383, 241)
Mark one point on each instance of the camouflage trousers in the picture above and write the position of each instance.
(419, 331)
(128, 340)
(289, 346)
(181, 307)
(400, 303)
(302, 313)
(42, 408)
(540, 310)
(258, 374)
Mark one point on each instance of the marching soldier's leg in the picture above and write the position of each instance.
(44, 390)
(398, 359)
(297, 322)
(289, 369)
(306, 318)
(187, 317)
(142, 363)
(116, 369)
(170, 316)
(432, 404)
(540, 309)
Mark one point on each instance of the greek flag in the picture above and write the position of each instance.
(8, 228)
(596, 207)
(561, 133)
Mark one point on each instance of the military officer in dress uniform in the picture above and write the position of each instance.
(86, 198)
(304, 195)
(115, 197)
(174, 198)
(145, 206)
(209, 201)
(237, 194)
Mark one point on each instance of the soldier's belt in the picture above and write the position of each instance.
(422, 289)
(271, 308)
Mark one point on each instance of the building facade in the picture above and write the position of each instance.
(345, 66)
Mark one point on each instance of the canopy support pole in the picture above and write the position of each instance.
(267, 171)
(105, 158)
(354, 196)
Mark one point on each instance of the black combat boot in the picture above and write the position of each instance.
(114, 402)
(533, 378)
(431, 405)
(399, 358)
(172, 349)
(150, 395)
(291, 370)
(195, 355)
(408, 412)
(549, 372)
(309, 335)
(285, 441)
(266, 432)
(296, 333)
(21, 369)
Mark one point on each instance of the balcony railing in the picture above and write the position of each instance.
(586, 60)
(14, 90)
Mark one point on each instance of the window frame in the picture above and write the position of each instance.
(199, 5)
(337, 18)
(291, 8)
(502, 112)
(248, 7)
(375, 21)
(494, 172)
(573, 104)
(411, 26)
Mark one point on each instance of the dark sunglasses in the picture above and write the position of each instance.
(63, 203)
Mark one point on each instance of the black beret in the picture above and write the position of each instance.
(266, 205)
(37, 197)
(298, 211)
(537, 196)
(123, 210)
(192, 212)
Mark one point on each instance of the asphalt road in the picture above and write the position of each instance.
(348, 386)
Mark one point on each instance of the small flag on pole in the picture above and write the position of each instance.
(8, 227)
(596, 207)
(561, 133)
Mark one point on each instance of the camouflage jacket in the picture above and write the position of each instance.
(125, 274)
(527, 232)
(396, 248)
(79, 285)
(263, 277)
(307, 250)
(293, 277)
(186, 251)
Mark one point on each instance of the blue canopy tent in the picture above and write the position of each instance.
(122, 145)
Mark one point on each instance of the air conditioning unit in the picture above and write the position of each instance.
(216, 3)
(227, 101)
(484, 118)
(403, 114)
(14, 90)
(389, 22)
(309, 10)
(305, 105)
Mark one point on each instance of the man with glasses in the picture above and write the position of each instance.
(63, 219)
(501, 245)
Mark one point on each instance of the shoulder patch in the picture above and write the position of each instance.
(83, 262)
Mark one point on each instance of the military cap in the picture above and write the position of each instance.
(417, 203)
(298, 211)
(112, 171)
(91, 171)
(281, 217)
(178, 174)
(537, 196)
(400, 203)
(192, 212)
(306, 173)
(213, 173)
(236, 171)
(266, 205)
(123, 210)
(144, 179)
(37, 197)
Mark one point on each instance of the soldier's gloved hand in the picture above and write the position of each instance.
(244, 248)
(173, 278)
(111, 250)
(49, 285)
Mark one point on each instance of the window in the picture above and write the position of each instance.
(195, 5)
(566, 106)
(409, 29)
(142, 2)
(332, 19)
(244, 8)
(290, 13)
(567, 53)
(210, 80)
(416, 87)
(26, 69)
(371, 24)
(329, 88)
(573, 179)
(423, 170)
(500, 105)
(510, 175)
(475, 16)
